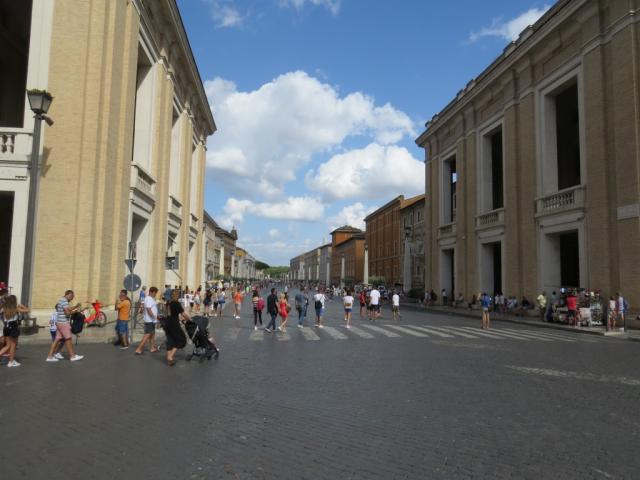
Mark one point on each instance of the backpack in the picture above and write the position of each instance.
(318, 304)
(77, 323)
(260, 304)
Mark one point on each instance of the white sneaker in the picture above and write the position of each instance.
(279, 329)
(255, 328)
(299, 326)
(13, 364)
(348, 326)
(59, 356)
(76, 357)
(52, 359)
(320, 326)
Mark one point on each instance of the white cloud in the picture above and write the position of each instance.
(225, 14)
(332, 5)
(266, 135)
(303, 209)
(353, 215)
(274, 233)
(511, 29)
(375, 172)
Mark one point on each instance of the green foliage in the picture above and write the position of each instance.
(416, 293)
(261, 265)
(275, 272)
(374, 280)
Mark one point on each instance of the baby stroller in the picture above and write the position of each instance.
(199, 335)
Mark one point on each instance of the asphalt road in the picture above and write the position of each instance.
(428, 397)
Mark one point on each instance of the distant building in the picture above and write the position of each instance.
(533, 169)
(384, 237)
(412, 217)
(347, 249)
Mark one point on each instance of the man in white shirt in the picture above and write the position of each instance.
(395, 305)
(318, 301)
(150, 320)
(374, 295)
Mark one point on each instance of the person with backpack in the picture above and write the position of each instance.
(257, 302)
(65, 311)
(318, 302)
(302, 304)
(10, 314)
(150, 320)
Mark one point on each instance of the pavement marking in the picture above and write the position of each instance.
(500, 333)
(407, 331)
(232, 334)
(283, 336)
(359, 332)
(521, 333)
(309, 334)
(545, 335)
(334, 333)
(478, 331)
(548, 372)
(381, 330)
(257, 335)
(454, 332)
(431, 331)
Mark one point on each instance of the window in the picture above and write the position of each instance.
(449, 187)
(568, 138)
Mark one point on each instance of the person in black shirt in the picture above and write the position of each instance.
(175, 336)
(272, 308)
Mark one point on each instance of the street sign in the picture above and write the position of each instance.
(132, 282)
(131, 264)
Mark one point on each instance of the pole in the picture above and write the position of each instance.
(29, 244)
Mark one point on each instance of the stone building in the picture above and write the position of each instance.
(347, 248)
(212, 248)
(533, 170)
(245, 264)
(228, 241)
(384, 237)
(412, 217)
(124, 161)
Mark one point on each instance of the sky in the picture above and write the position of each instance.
(318, 104)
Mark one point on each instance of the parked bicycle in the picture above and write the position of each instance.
(95, 315)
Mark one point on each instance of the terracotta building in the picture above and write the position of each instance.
(384, 237)
(533, 170)
(347, 256)
(412, 215)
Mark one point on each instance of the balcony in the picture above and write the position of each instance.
(15, 144)
(193, 226)
(567, 199)
(490, 219)
(175, 213)
(448, 230)
(143, 183)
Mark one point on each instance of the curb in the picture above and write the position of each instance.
(465, 313)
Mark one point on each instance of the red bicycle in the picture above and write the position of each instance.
(97, 317)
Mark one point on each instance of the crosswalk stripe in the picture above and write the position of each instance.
(309, 334)
(431, 331)
(547, 336)
(257, 335)
(360, 332)
(454, 332)
(383, 331)
(507, 334)
(283, 336)
(232, 334)
(482, 333)
(335, 333)
(407, 331)
(519, 335)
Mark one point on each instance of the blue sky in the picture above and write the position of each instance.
(318, 103)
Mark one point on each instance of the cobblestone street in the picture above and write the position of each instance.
(428, 397)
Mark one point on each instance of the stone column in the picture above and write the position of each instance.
(406, 266)
(365, 276)
(221, 268)
(342, 271)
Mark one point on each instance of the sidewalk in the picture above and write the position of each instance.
(91, 334)
(529, 321)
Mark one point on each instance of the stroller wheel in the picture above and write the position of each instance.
(188, 358)
(201, 359)
(217, 354)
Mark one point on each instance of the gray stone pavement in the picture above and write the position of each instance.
(431, 396)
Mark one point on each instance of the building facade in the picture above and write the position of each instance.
(245, 265)
(325, 264)
(384, 237)
(532, 171)
(212, 248)
(124, 162)
(228, 241)
(412, 216)
(353, 252)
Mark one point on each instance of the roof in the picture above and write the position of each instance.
(412, 201)
(356, 236)
(512, 52)
(346, 228)
(399, 198)
(209, 219)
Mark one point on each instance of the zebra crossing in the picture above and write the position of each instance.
(370, 331)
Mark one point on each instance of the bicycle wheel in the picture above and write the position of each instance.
(101, 319)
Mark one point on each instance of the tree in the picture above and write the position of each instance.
(261, 265)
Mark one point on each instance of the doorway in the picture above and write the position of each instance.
(6, 213)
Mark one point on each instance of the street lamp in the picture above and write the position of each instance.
(39, 101)
(406, 281)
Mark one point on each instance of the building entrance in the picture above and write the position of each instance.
(6, 214)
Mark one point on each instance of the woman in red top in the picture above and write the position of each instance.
(572, 307)
(363, 303)
(283, 308)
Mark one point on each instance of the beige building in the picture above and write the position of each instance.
(412, 224)
(124, 161)
(532, 171)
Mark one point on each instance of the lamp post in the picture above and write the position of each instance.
(39, 101)
(342, 271)
(365, 279)
(407, 259)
